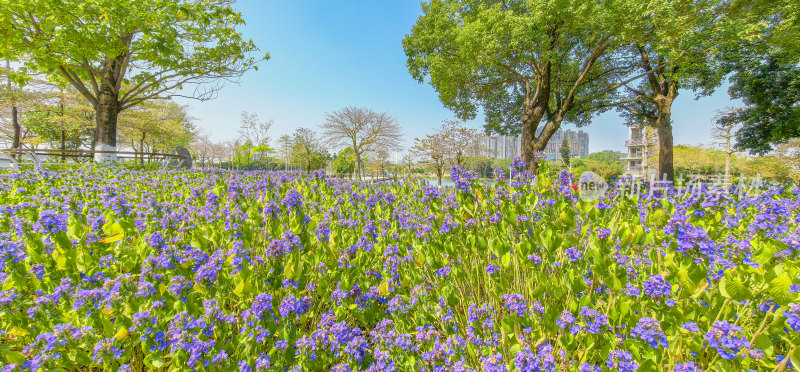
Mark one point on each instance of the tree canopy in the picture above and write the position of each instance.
(364, 131)
(523, 63)
(120, 53)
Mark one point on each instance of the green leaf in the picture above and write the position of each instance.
(15, 280)
(764, 343)
(506, 259)
(62, 240)
(289, 268)
(779, 290)
(114, 232)
(732, 287)
(765, 253)
(12, 356)
(684, 280)
(243, 288)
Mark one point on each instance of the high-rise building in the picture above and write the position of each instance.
(509, 147)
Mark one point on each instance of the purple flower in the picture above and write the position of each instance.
(516, 303)
(620, 360)
(655, 286)
(492, 269)
(649, 330)
(50, 222)
(726, 339)
(463, 179)
(687, 367)
(573, 254)
(292, 305)
(443, 272)
(691, 327)
(38, 271)
(793, 317)
(493, 363)
(542, 361)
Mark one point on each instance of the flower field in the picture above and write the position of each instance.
(253, 271)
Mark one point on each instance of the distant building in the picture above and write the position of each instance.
(642, 157)
(504, 147)
(509, 147)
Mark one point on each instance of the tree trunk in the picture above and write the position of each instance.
(141, 148)
(63, 145)
(728, 154)
(533, 111)
(106, 113)
(439, 174)
(665, 164)
(17, 140)
(357, 157)
(63, 132)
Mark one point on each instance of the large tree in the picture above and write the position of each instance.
(764, 64)
(120, 53)
(724, 129)
(363, 130)
(529, 65)
(674, 51)
(771, 115)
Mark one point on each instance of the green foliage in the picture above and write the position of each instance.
(307, 150)
(563, 150)
(345, 161)
(120, 53)
(771, 92)
(186, 38)
(692, 160)
(491, 55)
(606, 164)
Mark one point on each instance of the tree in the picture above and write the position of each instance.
(61, 118)
(460, 142)
(765, 73)
(607, 164)
(10, 95)
(379, 161)
(564, 152)
(409, 158)
(543, 61)
(724, 129)
(344, 162)
(771, 115)
(285, 149)
(21, 93)
(254, 129)
(256, 132)
(120, 53)
(673, 50)
(156, 125)
(203, 148)
(363, 130)
(307, 149)
(789, 153)
(433, 151)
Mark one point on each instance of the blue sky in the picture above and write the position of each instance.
(330, 54)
